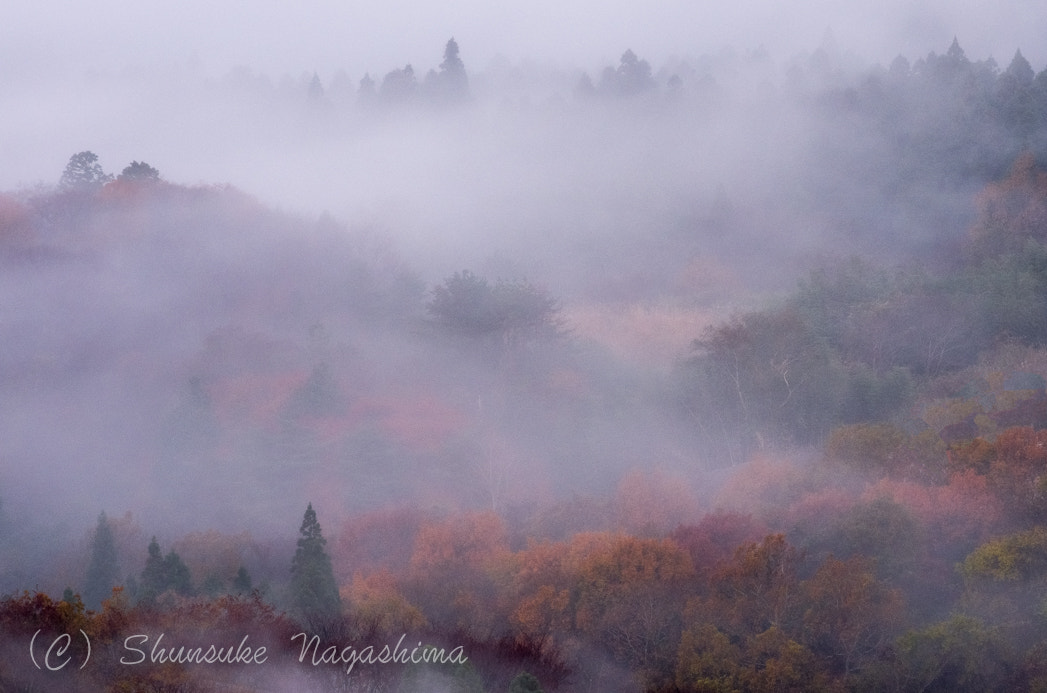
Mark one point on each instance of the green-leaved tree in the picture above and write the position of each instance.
(164, 573)
(314, 592)
(510, 313)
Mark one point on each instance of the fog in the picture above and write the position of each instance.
(689, 275)
(209, 93)
(525, 171)
(59, 38)
(674, 207)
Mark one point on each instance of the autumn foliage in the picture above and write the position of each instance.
(1013, 211)
(853, 497)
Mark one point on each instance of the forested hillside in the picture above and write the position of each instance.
(770, 422)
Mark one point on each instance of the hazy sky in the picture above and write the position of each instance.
(104, 76)
(276, 37)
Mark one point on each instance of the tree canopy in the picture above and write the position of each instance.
(453, 82)
(139, 171)
(314, 592)
(163, 573)
(83, 172)
(514, 312)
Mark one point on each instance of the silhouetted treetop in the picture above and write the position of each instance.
(956, 53)
(516, 312)
(139, 171)
(452, 82)
(1020, 69)
(83, 172)
(452, 64)
(102, 570)
(314, 592)
(399, 86)
(163, 573)
(631, 77)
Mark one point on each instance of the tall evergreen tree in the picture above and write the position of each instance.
(633, 75)
(314, 592)
(102, 570)
(955, 52)
(163, 573)
(453, 80)
(177, 575)
(1020, 69)
(152, 581)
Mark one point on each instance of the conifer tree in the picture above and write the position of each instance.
(453, 80)
(102, 570)
(163, 573)
(83, 172)
(177, 575)
(314, 592)
(152, 581)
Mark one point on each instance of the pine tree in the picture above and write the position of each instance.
(314, 592)
(152, 582)
(102, 570)
(1020, 70)
(83, 172)
(452, 64)
(176, 574)
(449, 86)
(163, 573)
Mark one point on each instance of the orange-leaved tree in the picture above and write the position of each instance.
(850, 615)
(1013, 210)
(630, 597)
(450, 576)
